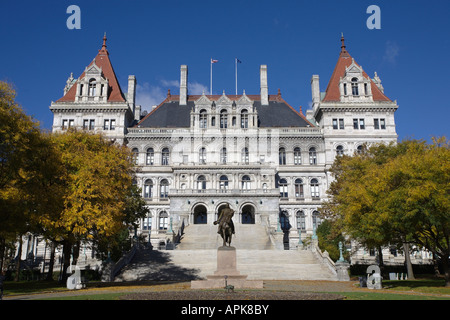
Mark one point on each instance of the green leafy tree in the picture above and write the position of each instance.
(394, 194)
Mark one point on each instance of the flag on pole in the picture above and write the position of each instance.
(236, 62)
(212, 61)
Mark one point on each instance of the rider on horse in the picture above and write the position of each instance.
(225, 218)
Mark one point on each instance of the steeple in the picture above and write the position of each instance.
(343, 43)
(103, 49)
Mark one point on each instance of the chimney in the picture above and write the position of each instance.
(315, 89)
(131, 91)
(264, 87)
(137, 113)
(183, 84)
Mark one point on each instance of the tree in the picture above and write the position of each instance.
(352, 206)
(19, 141)
(395, 193)
(417, 201)
(98, 188)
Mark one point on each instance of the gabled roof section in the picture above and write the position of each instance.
(345, 60)
(170, 114)
(102, 61)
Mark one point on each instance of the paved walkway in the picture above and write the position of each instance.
(147, 287)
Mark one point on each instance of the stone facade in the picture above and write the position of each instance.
(194, 154)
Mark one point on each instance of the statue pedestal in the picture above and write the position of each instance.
(226, 273)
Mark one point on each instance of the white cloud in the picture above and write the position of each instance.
(197, 88)
(147, 95)
(392, 52)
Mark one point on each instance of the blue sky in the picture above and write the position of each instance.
(296, 39)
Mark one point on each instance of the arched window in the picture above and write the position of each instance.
(150, 157)
(164, 189)
(165, 154)
(244, 119)
(301, 221)
(283, 188)
(312, 156)
(203, 119)
(245, 155)
(223, 119)
(201, 183)
(135, 156)
(359, 149)
(92, 87)
(282, 156)
(340, 150)
(223, 183)
(315, 220)
(245, 183)
(202, 156)
(163, 220)
(297, 156)
(299, 189)
(223, 155)
(355, 90)
(315, 189)
(148, 189)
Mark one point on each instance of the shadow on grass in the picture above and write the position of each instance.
(152, 265)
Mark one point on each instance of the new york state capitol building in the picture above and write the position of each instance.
(256, 153)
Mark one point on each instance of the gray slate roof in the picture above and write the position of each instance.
(173, 115)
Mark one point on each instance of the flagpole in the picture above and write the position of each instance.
(235, 62)
(210, 92)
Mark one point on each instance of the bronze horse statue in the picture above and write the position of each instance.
(226, 226)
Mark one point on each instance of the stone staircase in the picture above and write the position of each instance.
(196, 257)
(247, 236)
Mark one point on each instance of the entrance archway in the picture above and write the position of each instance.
(200, 214)
(248, 214)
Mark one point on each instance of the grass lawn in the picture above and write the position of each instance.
(420, 289)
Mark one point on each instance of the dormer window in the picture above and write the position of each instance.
(203, 119)
(223, 119)
(244, 119)
(92, 87)
(355, 90)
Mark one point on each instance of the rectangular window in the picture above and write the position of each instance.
(376, 124)
(112, 124)
(147, 225)
(361, 124)
(85, 124)
(64, 124)
(355, 124)
(106, 124)
(335, 124)
(71, 123)
(341, 124)
(91, 124)
(382, 124)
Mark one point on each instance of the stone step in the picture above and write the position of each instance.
(251, 236)
(199, 263)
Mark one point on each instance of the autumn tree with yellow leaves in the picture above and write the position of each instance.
(397, 193)
(70, 188)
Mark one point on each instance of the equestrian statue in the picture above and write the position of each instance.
(226, 226)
